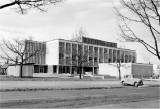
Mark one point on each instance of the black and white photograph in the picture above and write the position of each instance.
(87, 54)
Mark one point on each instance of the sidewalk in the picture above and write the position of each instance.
(158, 80)
(141, 104)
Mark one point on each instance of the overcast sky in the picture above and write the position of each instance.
(62, 20)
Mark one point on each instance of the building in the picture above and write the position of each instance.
(57, 55)
(4, 68)
(156, 70)
(0, 68)
(137, 70)
(14, 70)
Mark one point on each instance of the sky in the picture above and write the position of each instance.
(63, 19)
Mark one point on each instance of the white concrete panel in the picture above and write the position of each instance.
(27, 70)
(106, 69)
(156, 69)
(52, 55)
(13, 70)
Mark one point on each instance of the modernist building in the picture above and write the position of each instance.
(57, 55)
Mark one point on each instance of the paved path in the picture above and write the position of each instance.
(62, 84)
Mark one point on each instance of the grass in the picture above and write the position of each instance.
(49, 89)
(11, 78)
(79, 102)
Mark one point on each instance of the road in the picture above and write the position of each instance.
(83, 98)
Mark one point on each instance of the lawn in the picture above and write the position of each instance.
(69, 78)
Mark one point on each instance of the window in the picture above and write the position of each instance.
(114, 55)
(110, 55)
(54, 69)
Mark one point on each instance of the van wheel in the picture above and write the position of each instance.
(135, 84)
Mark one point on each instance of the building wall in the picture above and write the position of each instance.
(27, 71)
(98, 54)
(156, 70)
(145, 70)
(135, 69)
(52, 54)
(14, 70)
(58, 54)
(109, 69)
(36, 48)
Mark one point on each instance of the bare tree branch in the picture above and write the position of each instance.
(23, 6)
(145, 12)
(15, 51)
(79, 57)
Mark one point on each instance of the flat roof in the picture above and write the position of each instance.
(91, 44)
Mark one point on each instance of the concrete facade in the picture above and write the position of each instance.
(58, 55)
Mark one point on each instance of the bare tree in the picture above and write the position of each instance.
(80, 51)
(118, 64)
(145, 12)
(23, 6)
(15, 51)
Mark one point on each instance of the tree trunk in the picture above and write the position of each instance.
(21, 65)
(80, 73)
(21, 70)
(119, 73)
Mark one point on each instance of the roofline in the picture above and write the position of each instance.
(91, 44)
(143, 64)
(23, 64)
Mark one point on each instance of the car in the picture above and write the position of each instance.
(129, 80)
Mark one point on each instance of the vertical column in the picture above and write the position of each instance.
(128, 56)
(120, 52)
(93, 56)
(82, 70)
(135, 57)
(131, 56)
(57, 69)
(98, 56)
(123, 56)
(71, 57)
(93, 60)
(50, 69)
(33, 52)
(77, 54)
(93, 70)
(112, 55)
(116, 54)
(88, 56)
(103, 54)
(64, 52)
(70, 69)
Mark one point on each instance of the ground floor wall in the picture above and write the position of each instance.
(142, 70)
(137, 70)
(111, 70)
(58, 69)
(14, 70)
